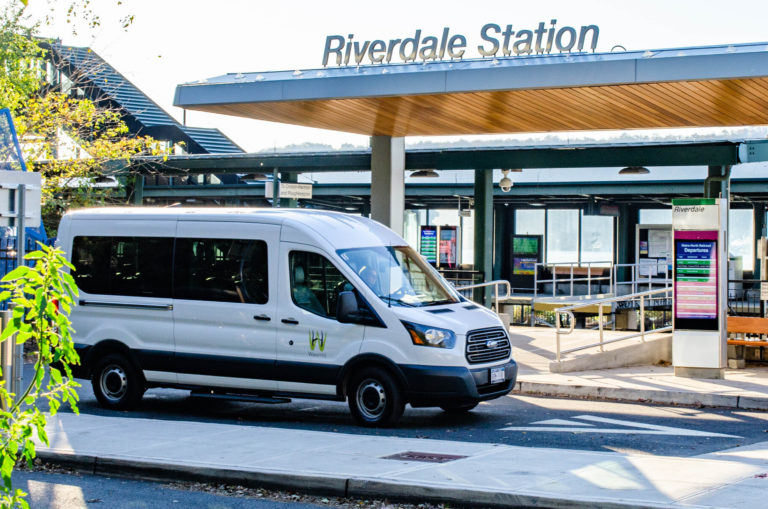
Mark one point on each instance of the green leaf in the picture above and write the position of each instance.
(17, 273)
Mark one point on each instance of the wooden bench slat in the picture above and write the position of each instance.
(747, 324)
(745, 342)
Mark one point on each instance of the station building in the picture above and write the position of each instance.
(495, 212)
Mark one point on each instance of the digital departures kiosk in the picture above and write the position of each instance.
(700, 287)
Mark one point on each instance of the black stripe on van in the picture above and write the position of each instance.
(238, 367)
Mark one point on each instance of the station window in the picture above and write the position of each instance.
(655, 216)
(530, 221)
(597, 239)
(562, 236)
(741, 237)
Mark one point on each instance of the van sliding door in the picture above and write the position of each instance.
(225, 300)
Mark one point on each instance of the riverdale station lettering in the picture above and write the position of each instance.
(497, 41)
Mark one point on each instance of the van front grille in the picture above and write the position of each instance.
(487, 345)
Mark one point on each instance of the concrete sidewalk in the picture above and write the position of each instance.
(358, 465)
(534, 348)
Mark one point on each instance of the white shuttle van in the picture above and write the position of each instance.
(268, 304)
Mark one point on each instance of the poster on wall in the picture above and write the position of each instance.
(524, 266)
(696, 280)
(448, 247)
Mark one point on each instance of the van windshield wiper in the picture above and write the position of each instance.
(440, 302)
(389, 299)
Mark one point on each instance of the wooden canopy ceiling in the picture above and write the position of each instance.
(651, 105)
(695, 87)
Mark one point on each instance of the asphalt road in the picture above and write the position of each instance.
(77, 491)
(512, 420)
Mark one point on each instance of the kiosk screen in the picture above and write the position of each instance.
(428, 243)
(696, 284)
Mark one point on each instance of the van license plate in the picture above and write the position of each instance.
(497, 375)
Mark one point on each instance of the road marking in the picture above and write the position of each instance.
(561, 422)
(632, 428)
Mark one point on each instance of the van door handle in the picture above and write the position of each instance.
(290, 321)
(263, 318)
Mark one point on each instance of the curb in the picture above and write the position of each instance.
(643, 395)
(319, 484)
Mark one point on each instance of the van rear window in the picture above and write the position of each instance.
(132, 266)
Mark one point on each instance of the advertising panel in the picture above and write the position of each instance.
(524, 266)
(696, 279)
(448, 247)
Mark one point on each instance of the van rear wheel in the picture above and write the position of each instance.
(375, 398)
(116, 382)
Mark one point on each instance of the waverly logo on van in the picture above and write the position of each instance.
(317, 338)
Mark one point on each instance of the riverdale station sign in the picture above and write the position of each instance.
(497, 41)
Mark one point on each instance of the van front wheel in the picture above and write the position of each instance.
(374, 398)
(116, 382)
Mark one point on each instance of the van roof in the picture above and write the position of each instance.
(341, 230)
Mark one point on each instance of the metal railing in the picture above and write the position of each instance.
(744, 297)
(649, 275)
(574, 273)
(496, 284)
(568, 310)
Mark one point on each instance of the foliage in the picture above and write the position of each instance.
(94, 138)
(18, 56)
(35, 292)
(71, 139)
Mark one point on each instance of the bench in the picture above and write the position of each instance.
(582, 271)
(747, 325)
(744, 326)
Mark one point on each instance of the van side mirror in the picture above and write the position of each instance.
(347, 310)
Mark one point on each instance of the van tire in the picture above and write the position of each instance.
(375, 399)
(116, 382)
(458, 409)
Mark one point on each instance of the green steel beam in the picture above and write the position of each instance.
(586, 156)
(579, 189)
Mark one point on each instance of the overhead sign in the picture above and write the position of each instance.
(497, 41)
(289, 190)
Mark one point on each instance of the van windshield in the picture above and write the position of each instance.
(399, 276)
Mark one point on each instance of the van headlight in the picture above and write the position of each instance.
(424, 335)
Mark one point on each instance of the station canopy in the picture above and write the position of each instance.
(716, 86)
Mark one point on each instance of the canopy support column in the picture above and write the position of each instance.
(388, 181)
(290, 178)
(484, 228)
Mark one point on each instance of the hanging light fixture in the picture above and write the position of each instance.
(634, 170)
(505, 183)
(425, 174)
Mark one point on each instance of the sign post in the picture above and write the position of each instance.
(700, 274)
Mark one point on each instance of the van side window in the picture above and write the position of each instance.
(225, 270)
(315, 283)
(131, 266)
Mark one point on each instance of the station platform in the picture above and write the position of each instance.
(534, 349)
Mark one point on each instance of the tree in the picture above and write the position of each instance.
(37, 293)
(71, 140)
(19, 77)
(93, 137)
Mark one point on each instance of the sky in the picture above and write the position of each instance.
(177, 41)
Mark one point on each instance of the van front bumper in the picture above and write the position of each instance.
(440, 385)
